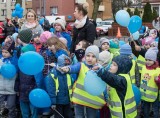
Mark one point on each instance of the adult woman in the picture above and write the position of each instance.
(9, 29)
(31, 22)
(84, 29)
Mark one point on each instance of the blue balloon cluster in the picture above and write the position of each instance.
(93, 84)
(8, 71)
(39, 98)
(69, 17)
(142, 30)
(18, 12)
(31, 63)
(133, 24)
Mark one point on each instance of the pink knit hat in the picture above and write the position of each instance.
(45, 36)
(148, 40)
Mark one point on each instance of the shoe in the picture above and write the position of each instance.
(5, 112)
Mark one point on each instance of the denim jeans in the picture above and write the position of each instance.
(84, 112)
(147, 108)
(10, 104)
(28, 110)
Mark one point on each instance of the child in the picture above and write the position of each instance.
(59, 26)
(56, 47)
(36, 40)
(85, 102)
(104, 42)
(58, 85)
(148, 87)
(7, 92)
(134, 72)
(121, 98)
(114, 47)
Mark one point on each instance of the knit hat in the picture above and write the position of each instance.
(79, 54)
(126, 49)
(61, 22)
(124, 64)
(114, 43)
(36, 33)
(14, 36)
(94, 50)
(9, 46)
(104, 40)
(151, 54)
(27, 48)
(104, 58)
(45, 36)
(25, 35)
(63, 60)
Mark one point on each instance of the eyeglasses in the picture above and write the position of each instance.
(30, 15)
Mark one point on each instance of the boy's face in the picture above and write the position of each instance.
(105, 46)
(147, 46)
(37, 39)
(113, 68)
(5, 54)
(149, 62)
(79, 45)
(90, 59)
(19, 41)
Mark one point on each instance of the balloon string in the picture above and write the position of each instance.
(58, 113)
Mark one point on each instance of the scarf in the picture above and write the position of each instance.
(30, 25)
(80, 23)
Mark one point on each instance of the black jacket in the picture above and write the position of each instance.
(87, 32)
(9, 30)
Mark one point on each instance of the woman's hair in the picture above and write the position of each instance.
(32, 11)
(85, 44)
(57, 43)
(83, 8)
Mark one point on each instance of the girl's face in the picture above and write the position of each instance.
(153, 35)
(7, 40)
(5, 54)
(90, 59)
(113, 68)
(37, 39)
(58, 27)
(79, 45)
(149, 62)
(30, 17)
(105, 46)
(76, 13)
(52, 48)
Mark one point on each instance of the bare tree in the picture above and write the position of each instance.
(95, 9)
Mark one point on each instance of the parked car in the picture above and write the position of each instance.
(102, 27)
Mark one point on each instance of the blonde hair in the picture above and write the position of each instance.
(31, 11)
(57, 43)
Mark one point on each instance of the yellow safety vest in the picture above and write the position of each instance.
(69, 83)
(115, 104)
(148, 87)
(132, 72)
(141, 62)
(80, 96)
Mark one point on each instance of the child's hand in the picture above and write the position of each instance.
(65, 69)
(137, 48)
(95, 68)
(156, 78)
(53, 107)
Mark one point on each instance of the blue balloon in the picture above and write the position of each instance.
(39, 98)
(8, 71)
(41, 21)
(69, 17)
(20, 15)
(18, 7)
(52, 30)
(137, 94)
(13, 14)
(134, 24)
(136, 35)
(141, 31)
(31, 63)
(122, 18)
(143, 27)
(93, 84)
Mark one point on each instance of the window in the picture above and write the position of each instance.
(13, 0)
(54, 10)
(3, 12)
(3, 1)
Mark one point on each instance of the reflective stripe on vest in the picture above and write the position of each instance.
(68, 83)
(141, 62)
(80, 96)
(148, 87)
(132, 72)
(115, 104)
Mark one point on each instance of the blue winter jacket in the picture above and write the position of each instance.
(68, 38)
(62, 96)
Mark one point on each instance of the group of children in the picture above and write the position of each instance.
(64, 74)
